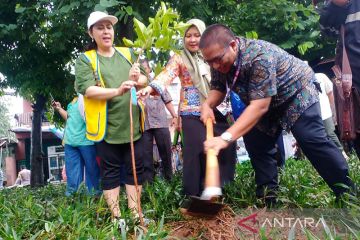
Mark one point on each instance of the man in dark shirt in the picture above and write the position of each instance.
(280, 93)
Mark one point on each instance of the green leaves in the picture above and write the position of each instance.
(291, 24)
(129, 10)
(141, 31)
(19, 9)
(252, 35)
(128, 42)
(162, 33)
(110, 3)
(303, 47)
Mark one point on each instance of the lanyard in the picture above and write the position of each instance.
(238, 66)
(237, 72)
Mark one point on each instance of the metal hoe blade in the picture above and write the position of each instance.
(198, 207)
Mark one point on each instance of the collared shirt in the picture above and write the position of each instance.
(268, 71)
(155, 111)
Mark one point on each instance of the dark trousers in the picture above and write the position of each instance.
(280, 156)
(310, 134)
(163, 142)
(194, 158)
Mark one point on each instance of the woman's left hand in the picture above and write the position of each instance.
(144, 93)
(134, 72)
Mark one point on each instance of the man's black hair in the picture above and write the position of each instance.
(216, 34)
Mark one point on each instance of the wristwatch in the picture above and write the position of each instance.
(227, 137)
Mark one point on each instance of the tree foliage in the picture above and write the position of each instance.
(4, 119)
(162, 35)
(39, 42)
(291, 24)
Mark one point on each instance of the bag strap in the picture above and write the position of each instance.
(345, 59)
(125, 53)
(92, 57)
(345, 68)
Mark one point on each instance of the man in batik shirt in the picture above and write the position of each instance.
(280, 93)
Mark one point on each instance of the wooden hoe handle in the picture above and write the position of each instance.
(212, 177)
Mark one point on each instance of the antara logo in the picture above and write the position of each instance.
(253, 224)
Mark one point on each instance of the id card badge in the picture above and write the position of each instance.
(223, 108)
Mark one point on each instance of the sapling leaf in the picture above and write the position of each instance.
(128, 42)
(140, 30)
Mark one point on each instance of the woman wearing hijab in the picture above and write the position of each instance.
(195, 78)
(117, 76)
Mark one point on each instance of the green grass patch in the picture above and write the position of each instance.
(46, 213)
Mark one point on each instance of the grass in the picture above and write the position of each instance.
(45, 213)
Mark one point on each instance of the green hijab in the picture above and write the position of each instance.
(195, 61)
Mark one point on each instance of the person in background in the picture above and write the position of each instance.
(23, 178)
(326, 100)
(195, 77)
(157, 126)
(119, 76)
(1, 179)
(333, 15)
(63, 173)
(80, 153)
(280, 93)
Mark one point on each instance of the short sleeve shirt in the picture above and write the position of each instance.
(326, 88)
(114, 70)
(75, 130)
(268, 71)
(155, 111)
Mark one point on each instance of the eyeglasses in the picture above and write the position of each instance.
(217, 59)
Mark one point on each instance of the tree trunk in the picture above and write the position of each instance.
(36, 158)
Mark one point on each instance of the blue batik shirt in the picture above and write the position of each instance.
(268, 71)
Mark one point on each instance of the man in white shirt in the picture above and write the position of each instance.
(326, 98)
(23, 178)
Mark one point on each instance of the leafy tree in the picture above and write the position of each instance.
(4, 119)
(291, 24)
(38, 43)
